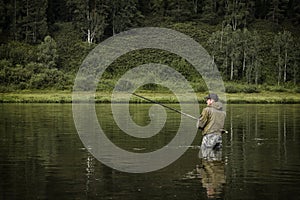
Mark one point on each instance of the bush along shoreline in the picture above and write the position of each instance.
(233, 97)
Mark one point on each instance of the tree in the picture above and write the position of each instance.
(12, 9)
(2, 16)
(234, 52)
(123, 14)
(246, 44)
(282, 49)
(230, 45)
(225, 44)
(209, 11)
(56, 11)
(214, 44)
(253, 69)
(296, 63)
(277, 10)
(296, 12)
(89, 18)
(31, 21)
(96, 23)
(47, 52)
(181, 10)
(287, 41)
(178, 10)
(195, 6)
(237, 12)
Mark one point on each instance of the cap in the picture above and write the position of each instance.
(212, 96)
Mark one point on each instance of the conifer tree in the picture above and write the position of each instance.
(123, 14)
(277, 10)
(31, 20)
(2, 16)
(209, 11)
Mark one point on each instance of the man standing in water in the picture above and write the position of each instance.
(211, 122)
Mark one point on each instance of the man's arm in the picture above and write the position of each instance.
(201, 123)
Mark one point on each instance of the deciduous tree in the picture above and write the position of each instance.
(282, 50)
(47, 52)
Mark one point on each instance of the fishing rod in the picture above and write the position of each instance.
(155, 102)
(170, 108)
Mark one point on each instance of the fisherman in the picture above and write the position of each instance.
(211, 122)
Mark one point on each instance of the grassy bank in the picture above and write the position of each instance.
(50, 96)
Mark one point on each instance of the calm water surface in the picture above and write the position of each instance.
(42, 157)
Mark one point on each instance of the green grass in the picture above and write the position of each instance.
(52, 96)
(264, 97)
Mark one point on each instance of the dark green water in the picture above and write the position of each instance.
(42, 157)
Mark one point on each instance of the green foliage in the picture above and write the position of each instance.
(18, 52)
(49, 78)
(70, 48)
(282, 51)
(199, 87)
(32, 76)
(238, 13)
(297, 90)
(276, 88)
(250, 89)
(123, 14)
(89, 18)
(47, 52)
(29, 21)
(245, 46)
(238, 88)
(232, 89)
(277, 10)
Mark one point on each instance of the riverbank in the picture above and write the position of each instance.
(50, 96)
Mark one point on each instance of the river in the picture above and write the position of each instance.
(43, 157)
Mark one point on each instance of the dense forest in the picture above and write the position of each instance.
(253, 42)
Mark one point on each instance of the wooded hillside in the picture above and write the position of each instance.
(252, 42)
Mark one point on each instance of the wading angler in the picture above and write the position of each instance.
(211, 122)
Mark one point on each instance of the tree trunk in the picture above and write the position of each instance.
(279, 70)
(244, 61)
(256, 72)
(26, 29)
(89, 38)
(113, 19)
(285, 65)
(221, 42)
(231, 70)
(295, 74)
(15, 20)
(195, 2)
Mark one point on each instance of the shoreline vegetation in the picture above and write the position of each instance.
(62, 96)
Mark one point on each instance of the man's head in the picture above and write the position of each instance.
(211, 98)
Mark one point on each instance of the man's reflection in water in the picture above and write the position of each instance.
(212, 171)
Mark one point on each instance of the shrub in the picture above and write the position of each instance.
(49, 78)
(250, 89)
(278, 89)
(200, 88)
(232, 89)
(4, 89)
(297, 89)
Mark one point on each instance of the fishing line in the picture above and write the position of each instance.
(155, 102)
